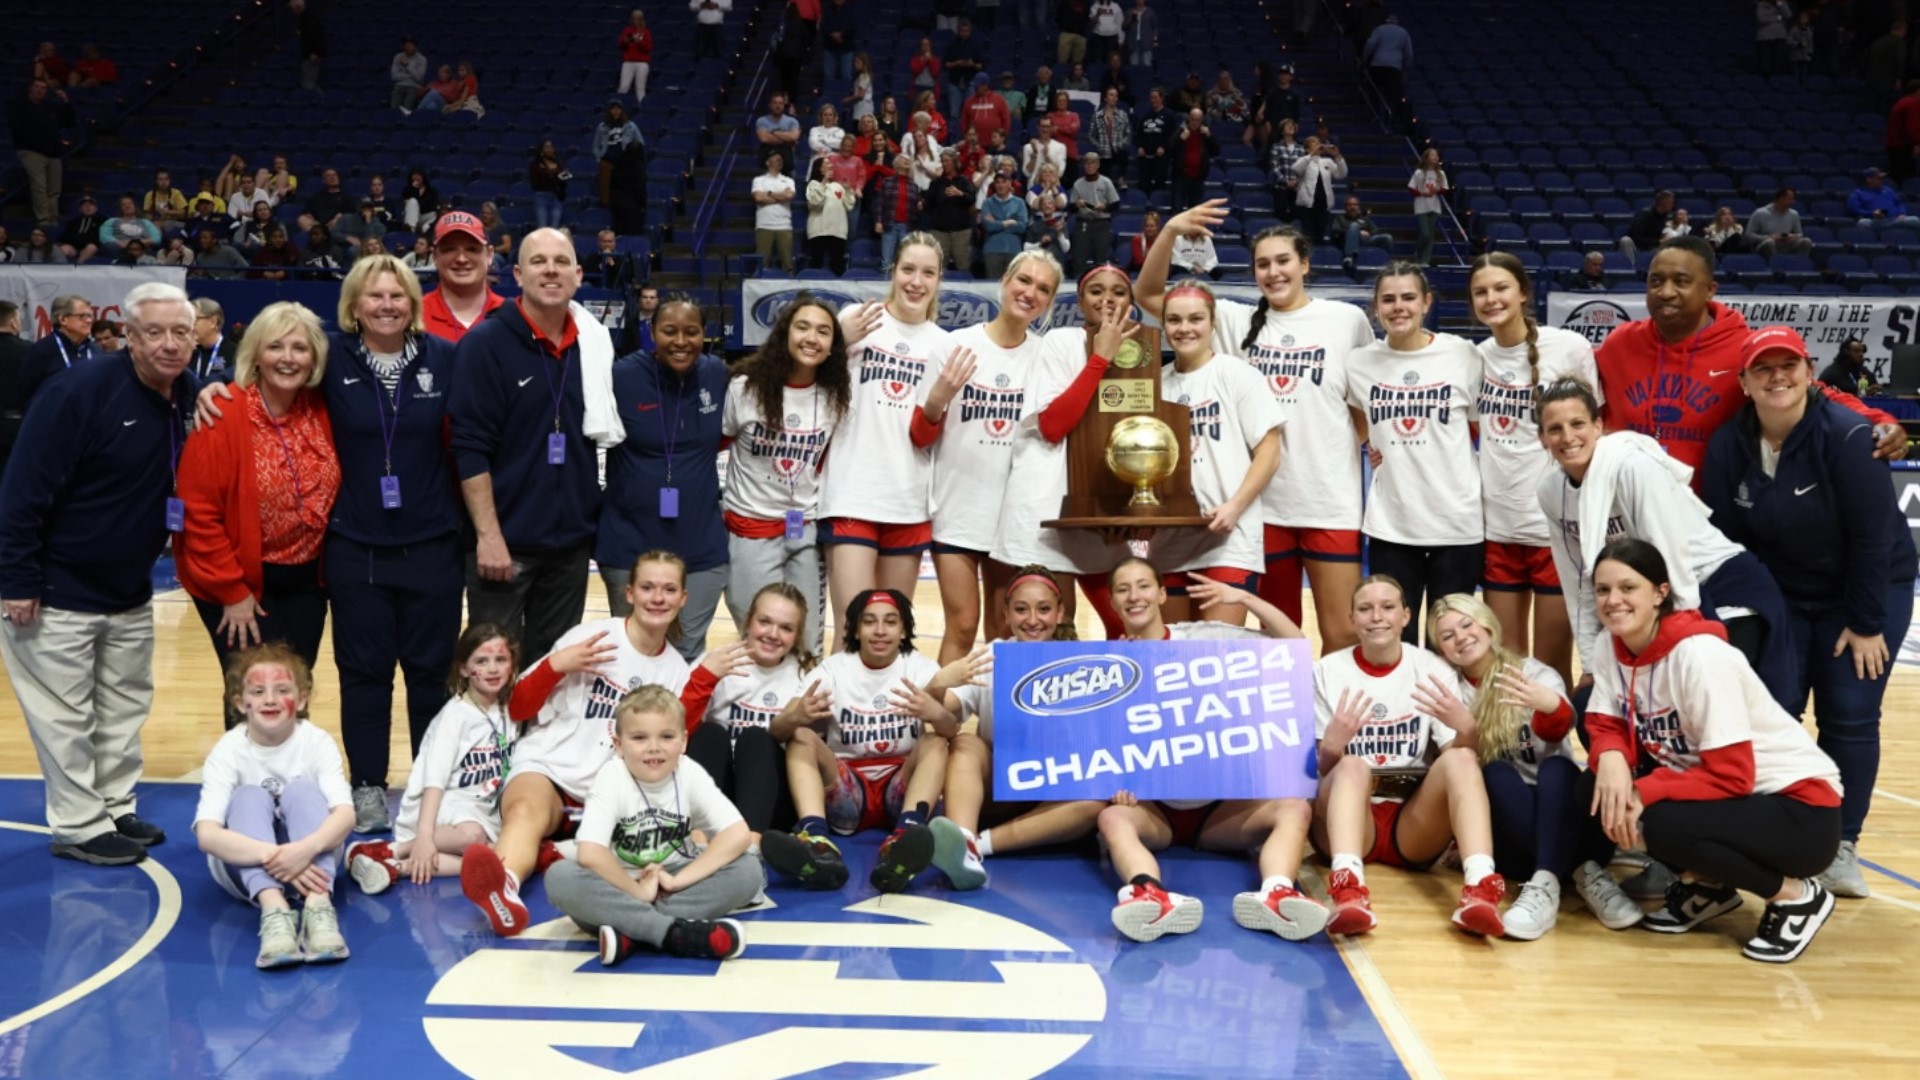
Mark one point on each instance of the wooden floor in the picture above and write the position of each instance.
(1580, 1002)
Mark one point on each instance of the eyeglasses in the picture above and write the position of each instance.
(155, 335)
(83, 316)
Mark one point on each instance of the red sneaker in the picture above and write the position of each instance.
(1290, 913)
(1479, 910)
(485, 880)
(372, 865)
(1145, 912)
(1352, 904)
(614, 946)
(547, 856)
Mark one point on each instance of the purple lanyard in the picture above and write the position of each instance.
(388, 432)
(293, 469)
(176, 435)
(559, 392)
(669, 437)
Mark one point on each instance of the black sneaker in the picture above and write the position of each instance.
(811, 860)
(902, 856)
(144, 833)
(1787, 929)
(704, 939)
(107, 849)
(614, 946)
(1690, 903)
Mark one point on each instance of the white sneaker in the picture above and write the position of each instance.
(1604, 897)
(370, 809)
(956, 855)
(279, 939)
(1536, 909)
(1843, 878)
(320, 931)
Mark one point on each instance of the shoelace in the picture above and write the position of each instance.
(1771, 921)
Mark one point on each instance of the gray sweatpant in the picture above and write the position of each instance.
(754, 564)
(593, 901)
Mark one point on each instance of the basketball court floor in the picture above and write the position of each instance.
(148, 971)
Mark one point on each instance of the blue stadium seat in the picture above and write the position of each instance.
(1796, 269)
(1851, 270)
(1746, 268)
(1590, 235)
(1896, 270)
(1549, 236)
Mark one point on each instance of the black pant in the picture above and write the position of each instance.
(293, 611)
(544, 599)
(1188, 192)
(706, 40)
(828, 253)
(1153, 174)
(750, 769)
(391, 605)
(1426, 572)
(1752, 843)
(1092, 243)
(1543, 825)
(1392, 87)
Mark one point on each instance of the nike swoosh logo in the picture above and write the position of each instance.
(1717, 372)
(350, 382)
(526, 380)
(645, 408)
(128, 423)
(1804, 490)
(1797, 926)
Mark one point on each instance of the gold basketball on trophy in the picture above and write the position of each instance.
(1142, 451)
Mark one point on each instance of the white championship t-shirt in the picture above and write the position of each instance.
(573, 734)
(653, 823)
(1037, 475)
(1231, 411)
(464, 753)
(1426, 491)
(874, 472)
(770, 472)
(236, 761)
(1302, 357)
(755, 698)
(1528, 747)
(975, 450)
(866, 723)
(1397, 734)
(1512, 461)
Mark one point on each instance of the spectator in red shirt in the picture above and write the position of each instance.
(460, 260)
(1066, 124)
(985, 112)
(48, 64)
(1903, 134)
(636, 56)
(92, 69)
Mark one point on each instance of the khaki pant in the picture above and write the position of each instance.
(85, 684)
(774, 246)
(43, 181)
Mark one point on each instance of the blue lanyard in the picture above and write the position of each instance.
(669, 437)
(60, 340)
(559, 392)
(388, 432)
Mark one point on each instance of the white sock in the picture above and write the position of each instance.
(983, 843)
(513, 882)
(1352, 863)
(1478, 868)
(1276, 881)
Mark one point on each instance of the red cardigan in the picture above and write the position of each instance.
(217, 556)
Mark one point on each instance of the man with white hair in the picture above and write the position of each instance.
(82, 519)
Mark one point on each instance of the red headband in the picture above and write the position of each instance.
(880, 597)
(1194, 289)
(1046, 579)
(1103, 267)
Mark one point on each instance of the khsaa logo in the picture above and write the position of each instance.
(1077, 685)
(767, 310)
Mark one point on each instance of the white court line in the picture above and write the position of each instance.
(163, 921)
(1908, 904)
(1883, 793)
(1413, 1050)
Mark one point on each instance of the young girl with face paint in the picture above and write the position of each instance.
(1058, 395)
(275, 808)
(1693, 760)
(866, 764)
(1399, 773)
(453, 797)
(874, 509)
(1415, 394)
(1300, 345)
(567, 701)
(974, 455)
(1134, 830)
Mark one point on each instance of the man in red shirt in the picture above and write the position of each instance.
(460, 259)
(985, 111)
(1903, 134)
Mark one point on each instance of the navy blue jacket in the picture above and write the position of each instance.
(48, 357)
(503, 412)
(655, 402)
(1826, 523)
(83, 515)
(358, 406)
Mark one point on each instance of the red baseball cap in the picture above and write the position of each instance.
(458, 221)
(1772, 339)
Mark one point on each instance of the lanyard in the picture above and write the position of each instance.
(559, 391)
(669, 437)
(176, 436)
(60, 340)
(293, 468)
(673, 834)
(388, 432)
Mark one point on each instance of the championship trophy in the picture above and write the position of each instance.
(1127, 460)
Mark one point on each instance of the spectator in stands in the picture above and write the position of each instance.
(1886, 69)
(646, 306)
(420, 259)
(328, 205)
(274, 258)
(1877, 205)
(321, 261)
(607, 268)
(1850, 371)
(1047, 185)
(1106, 23)
(70, 343)
(1677, 225)
(468, 98)
(419, 202)
(499, 236)
(1774, 229)
(859, 99)
(1643, 233)
(1143, 240)
(777, 132)
(354, 232)
(79, 531)
(1356, 230)
(892, 206)
(227, 181)
(163, 204)
(849, 167)
(1047, 228)
(1043, 150)
(708, 17)
(40, 250)
(1591, 277)
(825, 135)
(829, 202)
(1800, 44)
(92, 69)
(946, 15)
(1040, 97)
(1066, 124)
(925, 66)
(1386, 56)
(117, 231)
(1903, 134)
(1095, 198)
(1191, 95)
(1072, 18)
(8, 252)
(384, 207)
(1770, 36)
(1193, 254)
(1141, 29)
(962, 60)
(1152, 140)
(1003, 218)
(985, 112)
(213, 351)
(1192, 152)
(408, 73)
(837, 39)
(247, 195)
(794, 50)
(251, 234)
(1725, 233)
(528, 463)
(1224, 101)
(1076, 80)
(773, 193)
(1278, 101)
(13, 365)
(888, 121)
(206, 215)
(35, 122)
(636, 56)
(279, 180)
(312, 34)
(1110, 134)
(109, 338)
(949, 210)
(49, 65)
(175, 252)
(1320, 165)
(206, 192)
(1114, 77)
(1429, 188)
(80, 236)
(442, 89)
(548, 179)
(924, 149)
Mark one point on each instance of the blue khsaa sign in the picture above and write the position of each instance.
(1161, 719)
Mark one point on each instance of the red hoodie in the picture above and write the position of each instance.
(1681, 394)
(1724, 772)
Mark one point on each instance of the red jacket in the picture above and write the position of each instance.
(217, 555)
(636, 45)
(1681, 394)
(986, 112)
(1903, 124)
